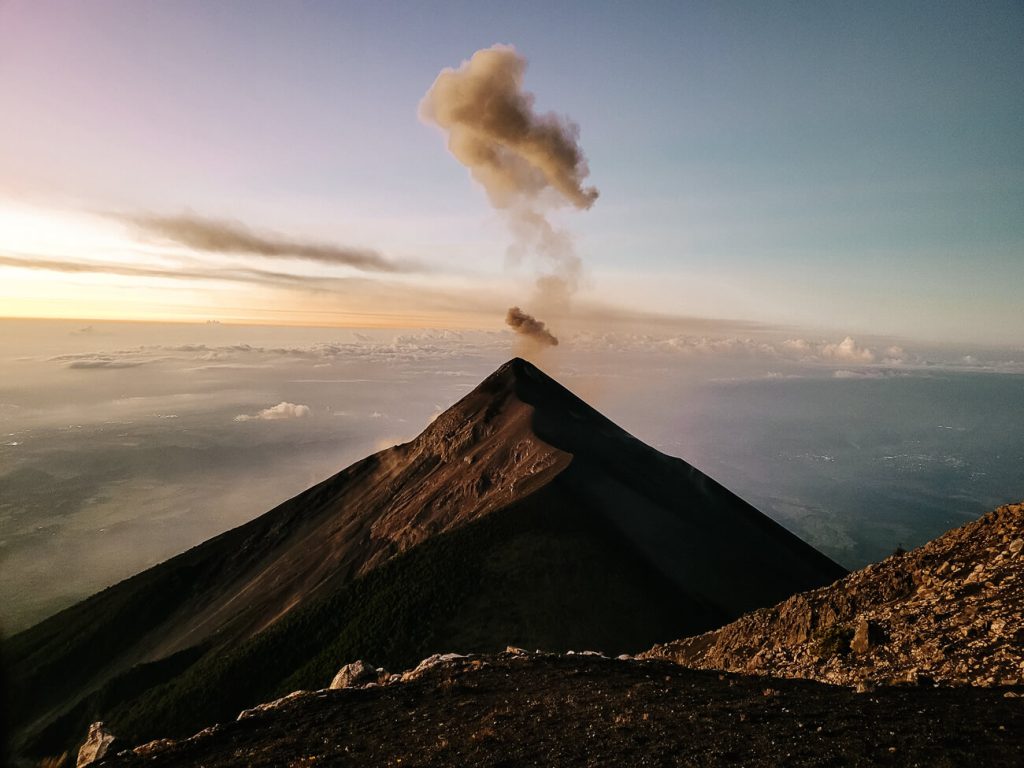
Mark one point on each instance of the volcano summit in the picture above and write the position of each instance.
(520, 516)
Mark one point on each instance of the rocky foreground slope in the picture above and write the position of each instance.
(950, 612)
(517, 709)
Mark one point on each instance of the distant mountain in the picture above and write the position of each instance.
(520, 515)
(950, 612)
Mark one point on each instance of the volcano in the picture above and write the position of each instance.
(520, 516)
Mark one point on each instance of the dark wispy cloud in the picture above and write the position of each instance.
(231, 274)
(103, 364)
(223, 236)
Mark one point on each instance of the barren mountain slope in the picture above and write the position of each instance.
(950, 611)
(519, 444)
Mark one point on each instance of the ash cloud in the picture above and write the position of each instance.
(527, 162)
(222, 236)
(494, 131)
(530, 327)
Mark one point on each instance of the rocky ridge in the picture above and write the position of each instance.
(519, 708)
(949, 612)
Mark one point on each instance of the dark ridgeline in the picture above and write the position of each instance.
(519, 516)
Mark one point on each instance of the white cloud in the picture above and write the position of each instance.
(282, 410)
(848, 350)
(868, 373)
(799, 350)
(800, 346)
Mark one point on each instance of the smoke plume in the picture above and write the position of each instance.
(530, 327)
(218, 236)
(528, 163)
(492, 130)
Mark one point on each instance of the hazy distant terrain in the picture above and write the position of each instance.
(123, 444)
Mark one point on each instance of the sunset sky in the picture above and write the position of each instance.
(852, 168)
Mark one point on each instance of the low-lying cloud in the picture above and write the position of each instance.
(282, 410)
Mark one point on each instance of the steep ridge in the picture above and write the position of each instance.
(236, 584)
(520, 445)
(949, 612)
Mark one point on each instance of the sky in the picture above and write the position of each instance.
(846, 168)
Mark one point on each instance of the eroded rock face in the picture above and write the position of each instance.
(355, 674)
(950, 612)
(97, 744)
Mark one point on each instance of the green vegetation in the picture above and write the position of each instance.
(834, 641)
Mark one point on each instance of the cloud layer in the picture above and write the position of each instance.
(277, 412)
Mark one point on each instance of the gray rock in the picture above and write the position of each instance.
(355, 674)
(97, 744)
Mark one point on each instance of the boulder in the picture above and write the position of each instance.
(354, 675)
(97, 744)
(862, 640)
(430, 662)
(151, 748)
(438, 658)
(245, 714)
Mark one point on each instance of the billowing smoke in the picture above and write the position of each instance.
(492, 130)
(528, 163)
(530, 327)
